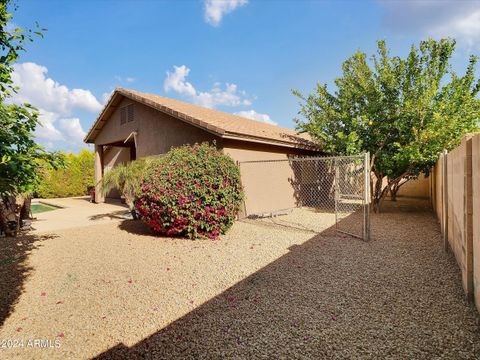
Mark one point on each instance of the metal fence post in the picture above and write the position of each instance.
(335, 164)
(366, 190)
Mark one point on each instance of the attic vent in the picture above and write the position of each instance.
(130, 113)
(123, 115)
(127, 114)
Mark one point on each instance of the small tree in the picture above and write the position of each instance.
(20, 155)
(403, 111)
(126, 178)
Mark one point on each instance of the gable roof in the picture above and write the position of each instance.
(222, 124)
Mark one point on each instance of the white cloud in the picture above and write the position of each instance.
(216, 9)
(45, 93)
(465, 28)
(456, 19)
(106, 96)
(252, 114)
(127, 79)
(54, 129)
(229, 96)
(72, 128)
(47, 131)
(55, 102)
(176, 81)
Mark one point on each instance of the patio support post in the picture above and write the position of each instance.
(98, 173)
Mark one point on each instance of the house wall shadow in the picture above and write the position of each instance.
(13, 268)
(333, 297)
(271, 313)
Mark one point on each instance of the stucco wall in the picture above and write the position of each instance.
(268, 186)
(156, 132)
(417, 188)
(113, 156)
(243, 151)
(113, 131)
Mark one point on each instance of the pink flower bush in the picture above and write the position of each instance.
(193, 191)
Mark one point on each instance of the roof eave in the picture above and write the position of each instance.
(260, 140)
(90, 137)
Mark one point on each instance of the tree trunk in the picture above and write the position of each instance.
(393, 192)
(396, 185)
(377, 192)
(9, 219)
(3, 219)
(25, 211)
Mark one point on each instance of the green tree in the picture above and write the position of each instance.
(20, 155)
(404, 111)
(73, 179)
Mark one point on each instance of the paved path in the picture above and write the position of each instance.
(75, 212)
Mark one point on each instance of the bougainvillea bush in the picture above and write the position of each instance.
(193, 191)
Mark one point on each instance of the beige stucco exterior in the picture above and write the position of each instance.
(157, 132)
(269, 185)
(417, 188)
(114, 155)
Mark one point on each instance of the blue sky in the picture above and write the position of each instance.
(237, 56)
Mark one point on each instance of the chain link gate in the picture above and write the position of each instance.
(315, 193)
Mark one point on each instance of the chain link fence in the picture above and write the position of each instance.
(315, 193)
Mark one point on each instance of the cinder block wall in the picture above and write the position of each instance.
(476, 217)
(455, 190)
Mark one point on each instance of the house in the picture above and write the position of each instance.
(134, 124)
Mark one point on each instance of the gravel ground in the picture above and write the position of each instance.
(268, 289)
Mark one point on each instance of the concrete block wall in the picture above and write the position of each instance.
(455, 194)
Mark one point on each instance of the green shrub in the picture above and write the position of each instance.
(193, 191)
(126, 178)
(73, 179)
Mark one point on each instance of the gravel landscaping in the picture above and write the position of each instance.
(270, 288)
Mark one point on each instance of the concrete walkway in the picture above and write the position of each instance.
(76, 212)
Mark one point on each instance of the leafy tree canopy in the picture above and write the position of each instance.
(72, 179)
(404, 111)
(19, 153)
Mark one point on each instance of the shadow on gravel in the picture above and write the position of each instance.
(334, 297)
(136, 227)
(13, 269)
(119, 214)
